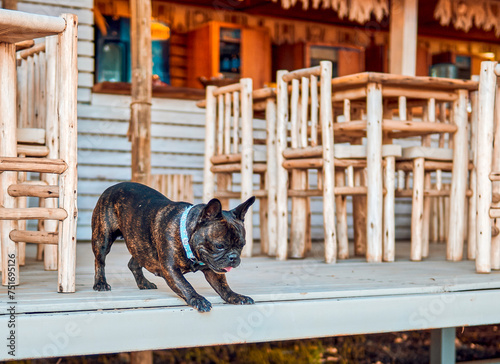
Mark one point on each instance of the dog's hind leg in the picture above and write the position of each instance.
(101, 245)
(141, 281)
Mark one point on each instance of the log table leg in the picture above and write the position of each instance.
(374, 173)
(456, 234)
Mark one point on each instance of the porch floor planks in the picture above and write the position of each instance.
(262, 278)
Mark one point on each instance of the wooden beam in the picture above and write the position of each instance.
(19, 26)
(33, 213)
(21, 164)
(140, 117)
(403, 37)
(34, 237)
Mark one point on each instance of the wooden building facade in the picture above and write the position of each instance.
(192, 40)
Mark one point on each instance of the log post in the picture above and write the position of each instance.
(403, 37)
(471, 239)
(326, 118)
(67, 82)
(487, 85)
(299, 177)
(52, 137)
(140, 108)
(456, 234)
(282, 173)
(247, 159)
(210, 130)
(374, 220)
(271, 177)
(8, 148)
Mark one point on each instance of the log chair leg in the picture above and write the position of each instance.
(299, 216)
(417, 210)
(426, 217)
(341, 206)
(389, 251)
(263, 211)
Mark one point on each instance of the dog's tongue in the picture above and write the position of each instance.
(227, 269)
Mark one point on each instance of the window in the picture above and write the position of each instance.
(113, 59)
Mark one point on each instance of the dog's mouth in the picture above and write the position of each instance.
(218, 265)
(221, 270)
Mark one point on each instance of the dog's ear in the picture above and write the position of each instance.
(212, 210)
(240, 210)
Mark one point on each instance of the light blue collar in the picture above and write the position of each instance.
(185, 238)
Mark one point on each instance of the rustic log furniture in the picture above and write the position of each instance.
(384, 93)
(488, 169)
(296, 140)
(15, 27)
(37, 135)
(231, 148)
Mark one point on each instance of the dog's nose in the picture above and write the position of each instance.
(233, 257)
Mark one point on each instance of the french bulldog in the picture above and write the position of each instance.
(153, 228)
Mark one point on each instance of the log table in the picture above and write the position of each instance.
(376, 96)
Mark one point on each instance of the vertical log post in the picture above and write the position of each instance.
(271, 177)
(52, 138)
(341, 213)
(417, 210)
(326, 117)
(374, 220)
(247, 159)
(140, 108)
(67, 120)
(403, 37)
(456, 233)
(487, 86)
(8, 148)
(210, 130)
(471, 239)
(282, 173)
(299, 177)
(426, 141)
(389, 250)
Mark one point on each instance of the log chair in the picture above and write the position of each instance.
(230, 153)
(17, 27)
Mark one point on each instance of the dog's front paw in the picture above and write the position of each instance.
(102, 286)
(239, 299)
(200, 303)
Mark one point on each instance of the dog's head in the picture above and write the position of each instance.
(219, 236)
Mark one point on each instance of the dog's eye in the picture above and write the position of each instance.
(219, 246)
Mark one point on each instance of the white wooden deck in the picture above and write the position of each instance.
(294, 299)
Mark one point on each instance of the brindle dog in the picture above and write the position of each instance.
(150, 224)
